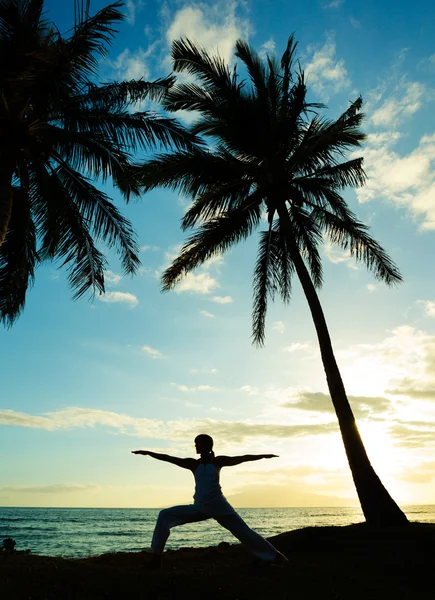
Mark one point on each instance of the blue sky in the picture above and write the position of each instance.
(84, 383)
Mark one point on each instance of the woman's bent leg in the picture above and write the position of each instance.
(253, 540)
(171, 517)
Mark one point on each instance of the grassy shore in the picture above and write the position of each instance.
(325, 563)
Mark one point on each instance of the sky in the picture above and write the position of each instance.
(86, 382)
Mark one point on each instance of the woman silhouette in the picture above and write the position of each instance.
(208, 501)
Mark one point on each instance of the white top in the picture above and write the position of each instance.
(208, 496)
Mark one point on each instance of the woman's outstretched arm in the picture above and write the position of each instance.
(185, 463)
(232, 461)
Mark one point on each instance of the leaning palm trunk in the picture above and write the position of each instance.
(378, 506)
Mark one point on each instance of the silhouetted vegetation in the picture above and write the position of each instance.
(270, 152)
(59, 129)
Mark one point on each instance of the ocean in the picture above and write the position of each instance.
(81, 532)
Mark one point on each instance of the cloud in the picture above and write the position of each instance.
(427, 64)
(230, 431)
(325, 74)
(355, 23)
(250, 390)
(413, 434)
(208, 371)
(131, 65)
(413, 388)
(371, 287)
(268, 48)
(429, 307)
(362, 406)
(132, 6)
(111, 278)
(147, 248)
(278, 326)
(152, 352)
(197, 388)
(424, 472)
(334, 4)
(405, 181)
(222, 299)
(300, 347)
(405, 100)
(60, 488)
(121, 297)
(197, 283)
(201, 283)
(336, 255)
(215, 26)
(207, 314)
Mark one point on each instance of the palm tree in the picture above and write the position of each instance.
(60, 131)
(270, 152)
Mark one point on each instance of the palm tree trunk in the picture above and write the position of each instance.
(378, 506)
(5, 201)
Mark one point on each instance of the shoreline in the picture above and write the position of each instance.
(333, 563)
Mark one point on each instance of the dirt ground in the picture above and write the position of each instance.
(325, 563)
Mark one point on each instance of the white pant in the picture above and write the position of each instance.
(179, 515)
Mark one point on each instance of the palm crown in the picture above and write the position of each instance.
(269, 153)
(59, 131)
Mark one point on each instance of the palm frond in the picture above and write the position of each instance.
(308, 238)
(215, 236)
(18, 257)
(65, 233)
(92, 38)
(119, 95)
(263, 285)
(215, 200)
(106, 222)
(287, 66)
(349, 234)
(255, 68)
(210, 70)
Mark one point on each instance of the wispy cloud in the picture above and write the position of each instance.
(319, 402)
(60, 488)
(112, 278)
(119, 297)
(429, 307)
(333, 4)
(404, 180)
(336, 255)
(131, 8)
(231, 431)
(324, 72)
(201, 282)
(195, 388)
(207, 314)
(267, 48)
(198, 283)
(214, 26)
(152, 352)
(405, 100)
(222, 299)
(279, 326)
(131, 65)
(147, 248)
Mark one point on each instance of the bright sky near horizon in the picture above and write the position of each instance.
(84, 383)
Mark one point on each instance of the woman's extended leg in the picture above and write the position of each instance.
(171, 517)
(253, 540)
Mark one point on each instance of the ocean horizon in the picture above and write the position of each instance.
(80, 532)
